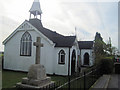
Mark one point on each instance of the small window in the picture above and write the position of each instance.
(26, 44)
(61, 57)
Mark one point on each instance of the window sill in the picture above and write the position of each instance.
(61, 63)
(26, 55)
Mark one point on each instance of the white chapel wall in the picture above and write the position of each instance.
(91, 57)
(14, 61)
(12, 58)
(74, 47)
(61, 69)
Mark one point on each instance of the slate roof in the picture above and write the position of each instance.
(85, 44)
(60, 40)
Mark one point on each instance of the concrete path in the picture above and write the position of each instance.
(0, 73)
(102, 82)
(0, 80)
(114, 81)
(109, 82)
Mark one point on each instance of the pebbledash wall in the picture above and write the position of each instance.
(49, 55)
(91, 56)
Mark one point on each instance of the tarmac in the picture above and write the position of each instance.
(114, 81)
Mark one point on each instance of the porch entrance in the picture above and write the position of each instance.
(73, 60)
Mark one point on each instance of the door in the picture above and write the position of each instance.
(86, 59)
(73, 60)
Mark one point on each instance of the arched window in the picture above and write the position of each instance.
(26, 44)
(61, 59)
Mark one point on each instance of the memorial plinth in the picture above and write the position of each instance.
(36, 77)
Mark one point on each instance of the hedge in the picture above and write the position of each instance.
(107, 65)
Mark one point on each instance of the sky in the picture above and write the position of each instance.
(82, 18)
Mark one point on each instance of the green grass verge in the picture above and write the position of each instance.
(10, 78)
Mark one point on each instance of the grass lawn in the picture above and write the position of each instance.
(10, 78)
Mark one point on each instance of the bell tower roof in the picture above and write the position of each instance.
(35, 9)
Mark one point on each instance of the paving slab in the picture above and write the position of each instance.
(108, 82)
(102, 82)
(114, 81)
(0, 73)
(119, 81)
(0, 80)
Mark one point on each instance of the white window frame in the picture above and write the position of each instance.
(26, 44)
(60, 55)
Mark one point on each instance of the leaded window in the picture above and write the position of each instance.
(61, 57)
(26, 44)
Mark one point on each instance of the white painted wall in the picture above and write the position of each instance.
(91, 56)
(13, 60)
(49, 53)
(76, 48)
(61, 69)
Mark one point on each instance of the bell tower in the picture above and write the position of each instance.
(35, 10)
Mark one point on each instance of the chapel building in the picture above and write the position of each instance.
(59, 53)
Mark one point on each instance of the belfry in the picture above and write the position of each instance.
(35, 9)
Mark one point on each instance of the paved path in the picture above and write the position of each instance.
(114, 81)
(102, 82)
(108, 81)
(0, 80)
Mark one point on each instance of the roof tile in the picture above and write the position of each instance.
(60, 40)
(85, 44)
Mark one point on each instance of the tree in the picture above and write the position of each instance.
(99, 48)
(109, 47)
(98, 36)
(102, 49)
(99, 45)
(114, 50)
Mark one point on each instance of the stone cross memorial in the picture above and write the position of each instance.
(38, 45)
(36, 77)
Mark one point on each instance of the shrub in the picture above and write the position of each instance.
(98, 59)
(107, 66)
(117, 68)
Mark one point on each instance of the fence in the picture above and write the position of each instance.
(83, 81)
